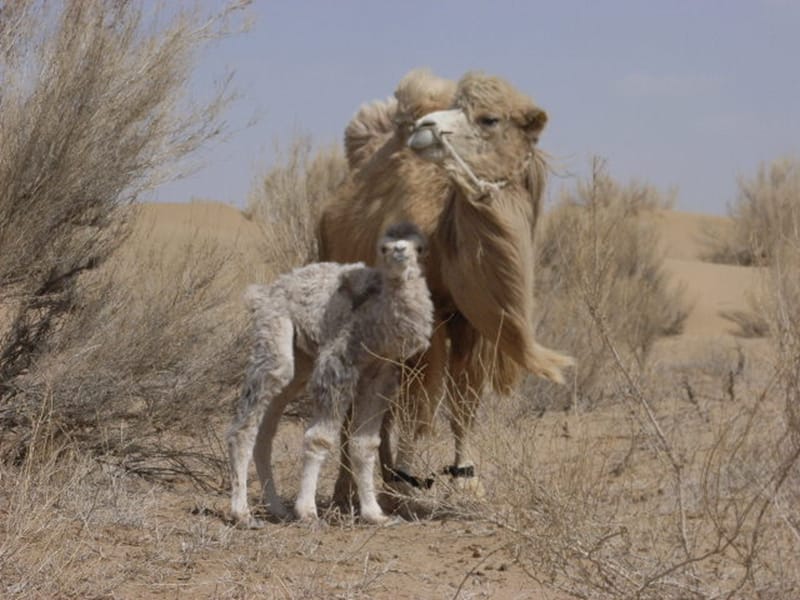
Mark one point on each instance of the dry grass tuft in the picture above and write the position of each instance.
(287, 201)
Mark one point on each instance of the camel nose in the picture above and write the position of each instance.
(429, 129)
(399, 251)
(422, 137)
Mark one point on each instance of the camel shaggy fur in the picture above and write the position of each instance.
(461, 161)
(343, 330)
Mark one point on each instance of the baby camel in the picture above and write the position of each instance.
(342, 330)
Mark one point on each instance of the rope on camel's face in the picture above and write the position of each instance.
(483, 186)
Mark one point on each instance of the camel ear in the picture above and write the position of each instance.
(533, 121)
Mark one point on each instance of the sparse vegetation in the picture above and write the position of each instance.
(287, 201)
(764, 216)
(675, 473)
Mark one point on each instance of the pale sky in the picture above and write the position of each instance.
(682, 94)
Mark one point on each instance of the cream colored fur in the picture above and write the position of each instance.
(481, 266)
(343, 331)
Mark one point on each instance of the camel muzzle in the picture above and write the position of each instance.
(430, 129)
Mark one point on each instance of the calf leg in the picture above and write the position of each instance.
(263, 447)
(372, 402)
(344, 490)
(270, 370)
(319, 438)
(332, 385)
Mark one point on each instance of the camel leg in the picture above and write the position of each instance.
(463, 401)
(385, 454)
(344, 493)
(270, 370)
(344, 489)
(416, 405)
(372, 402)
(332, 385)
(264, 442)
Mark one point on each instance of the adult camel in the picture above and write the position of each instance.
(461, 161)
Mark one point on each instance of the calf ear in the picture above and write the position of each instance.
(533, 121)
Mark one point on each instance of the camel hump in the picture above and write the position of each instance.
(548, 364)
(368, 129)
(418, 93)
(421, 92)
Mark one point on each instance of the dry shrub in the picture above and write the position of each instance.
(287, 201)
(92, 113)
(783, 316)
(151, 354)
(659, 494)
(598, 256)
(750, 323)
(765, 213)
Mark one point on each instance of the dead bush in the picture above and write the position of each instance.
(145, 364)
(92, 114)
(598, 256)
(288, 199)
(764, 213)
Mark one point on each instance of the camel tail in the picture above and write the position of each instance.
(548, 364)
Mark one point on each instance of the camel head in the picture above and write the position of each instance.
(401, 250)
(487, 136)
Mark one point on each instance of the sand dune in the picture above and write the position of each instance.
(682, 232)
(712, 288)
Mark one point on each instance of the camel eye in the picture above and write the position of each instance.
(488, 121)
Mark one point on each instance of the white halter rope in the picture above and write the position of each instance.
(484, 187)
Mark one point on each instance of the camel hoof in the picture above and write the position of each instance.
(471, 486)
(248, 522)
(464, 480)
(401, 489)
(404, 484)
(306, 514)
(376, 518)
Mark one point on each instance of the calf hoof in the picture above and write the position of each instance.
(375, 518)
(247, 521)
(307, 514)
